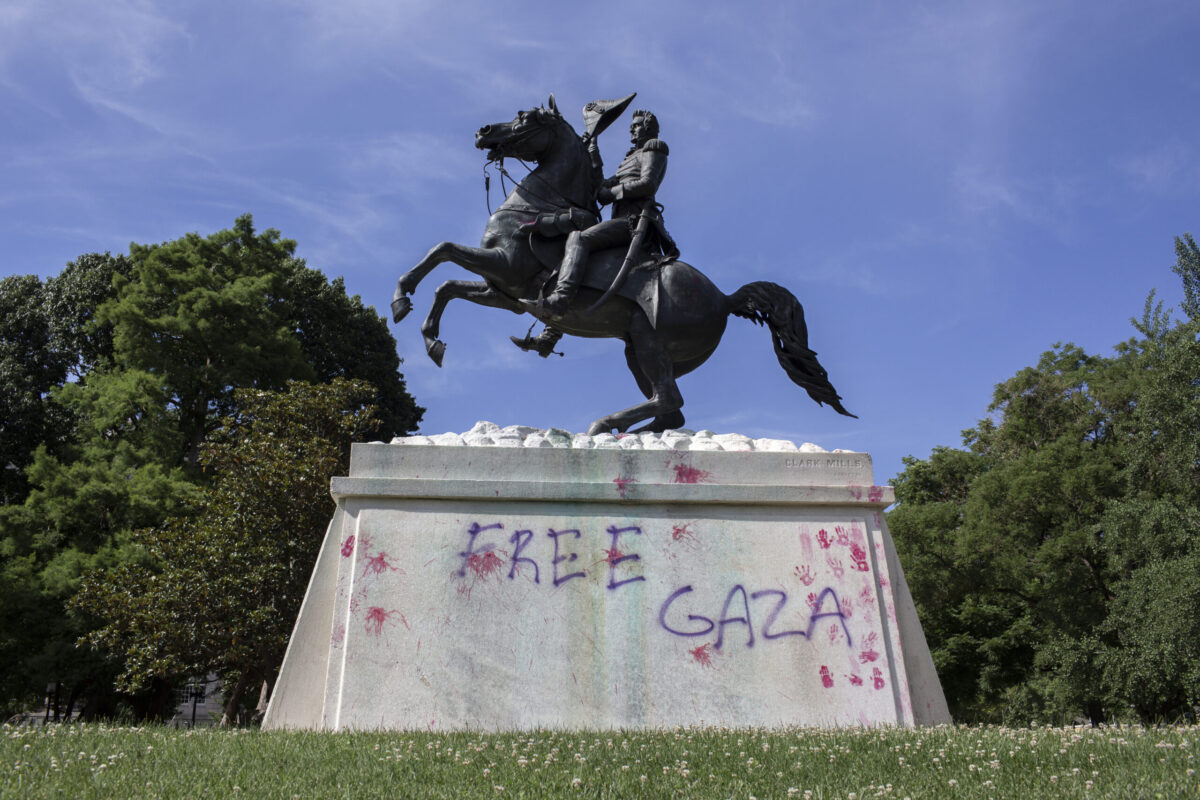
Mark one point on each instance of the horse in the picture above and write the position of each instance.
(691, 312)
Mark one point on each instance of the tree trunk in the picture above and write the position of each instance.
(231, 707)
(264, 697)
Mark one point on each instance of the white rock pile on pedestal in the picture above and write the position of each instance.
(516, 578)
(489, 434)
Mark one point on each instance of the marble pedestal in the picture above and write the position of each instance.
(551, 580)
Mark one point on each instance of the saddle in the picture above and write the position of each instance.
(641, 285)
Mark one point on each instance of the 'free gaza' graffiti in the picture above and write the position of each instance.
(481, 559)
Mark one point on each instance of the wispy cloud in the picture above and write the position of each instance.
(1168, 166)
(118, 44)
(408, 159)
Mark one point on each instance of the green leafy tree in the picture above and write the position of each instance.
(221, 588)
(196, 315)
(1187, 267)
(30, 367)
(71, 301)
(1055, 558)
(157, 343)
(340, 337)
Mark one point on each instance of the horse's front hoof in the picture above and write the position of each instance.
(598, 427)
(436, 349)
(400, 307)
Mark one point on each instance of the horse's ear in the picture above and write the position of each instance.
(554, 105)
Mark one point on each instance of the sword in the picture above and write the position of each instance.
(635, 246)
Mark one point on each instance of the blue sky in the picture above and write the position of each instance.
(949, 188)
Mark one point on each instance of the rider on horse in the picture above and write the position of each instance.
(631, 192)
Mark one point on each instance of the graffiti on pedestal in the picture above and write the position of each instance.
(747, 616)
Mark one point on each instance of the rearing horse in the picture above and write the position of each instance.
(691, 311)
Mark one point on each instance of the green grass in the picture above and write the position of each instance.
(947, 762)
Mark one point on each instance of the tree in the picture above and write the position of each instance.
(224, 585)
(157, 344)
(71, 301)
(1187, 267)
(30, 366)
(1054, 559)
(199, 316)
(340, 337)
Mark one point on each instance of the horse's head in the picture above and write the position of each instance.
(528, 137)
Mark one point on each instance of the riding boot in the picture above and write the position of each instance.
(569, 275)
(542, 344)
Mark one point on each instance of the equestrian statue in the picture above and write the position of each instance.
(547, 252)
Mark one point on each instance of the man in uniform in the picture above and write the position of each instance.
(631, 192)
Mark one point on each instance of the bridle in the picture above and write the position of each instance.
(498, 162)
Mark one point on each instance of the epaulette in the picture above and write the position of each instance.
(656, 146)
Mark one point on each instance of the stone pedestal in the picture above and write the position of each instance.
(529, 579)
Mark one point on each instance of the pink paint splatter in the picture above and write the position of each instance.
(485, 564)
(376, 617)
(806, 542)
(685, 473)
(859, 555)
(377, 564)
(805, 575)
(856, 492)
(339, 635)
(681, 532)
(843, 538)
(702, 654)
(823, 539)
(868, 652)
(877, 678)
(613, 555)
(835, 564)
(826, 678)
(348, 546)
(623, 483)
(867, 596)
(855, 680)
(875, 494)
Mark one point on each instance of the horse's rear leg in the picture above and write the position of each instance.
(477, 292)
(476, 259)
(671, 421)
(646, 349)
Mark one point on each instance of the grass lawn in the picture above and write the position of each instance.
(79, 761)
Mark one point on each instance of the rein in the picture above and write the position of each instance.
(499, 163)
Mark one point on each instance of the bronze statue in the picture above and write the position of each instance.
(619, 278)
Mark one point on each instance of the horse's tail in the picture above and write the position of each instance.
(763, 302)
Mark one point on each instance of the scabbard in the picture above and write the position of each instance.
(635, 247)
